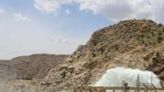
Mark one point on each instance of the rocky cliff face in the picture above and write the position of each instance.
(29, 67)
(130, 43)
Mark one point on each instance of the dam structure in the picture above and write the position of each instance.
(140, 87)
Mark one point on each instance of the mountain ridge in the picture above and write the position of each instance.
(34, 66)
(130, 43)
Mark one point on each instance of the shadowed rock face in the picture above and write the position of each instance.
(158, 65)
(29, 67)
(130, 43)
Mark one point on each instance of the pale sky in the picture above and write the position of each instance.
(60, 26)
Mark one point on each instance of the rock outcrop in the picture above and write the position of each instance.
(130, 43)
(157, 65)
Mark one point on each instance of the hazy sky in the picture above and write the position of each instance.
(59, 26)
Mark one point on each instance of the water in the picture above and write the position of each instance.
(114, 77)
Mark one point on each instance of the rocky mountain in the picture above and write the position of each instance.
(30, 67)
(130, 43)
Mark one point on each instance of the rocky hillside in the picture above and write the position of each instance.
(29, 67)
(130, 43)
